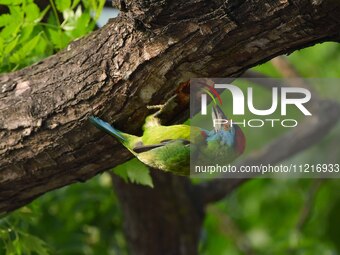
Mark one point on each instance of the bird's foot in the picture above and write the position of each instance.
(163, 109)
(167, 107)
(153, 107)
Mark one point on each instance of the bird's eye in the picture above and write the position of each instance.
(226, 127)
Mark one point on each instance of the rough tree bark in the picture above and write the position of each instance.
(137, 59)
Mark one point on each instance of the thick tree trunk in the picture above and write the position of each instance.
(135, 60)
(164, 220)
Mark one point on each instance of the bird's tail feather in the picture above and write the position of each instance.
(106, 127)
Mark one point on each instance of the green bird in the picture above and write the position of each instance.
(168, 147)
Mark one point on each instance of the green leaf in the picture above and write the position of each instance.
(75, 3)
(25, 50)
(44, 48)
(5, 19)
(121, 171)
(11, 30)
(51, 20)
(63, 5)
(34, 244)
(11, 2)
(81, 26)
(17, 13)
(1, 46)
(26, 33)
(94, 6)
(58, 38)
(32, 12)
(8, 49)
(135, 171)
(43, 13)
(140, 176)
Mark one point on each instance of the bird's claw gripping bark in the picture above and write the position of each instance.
(153, 119)
(167, 107)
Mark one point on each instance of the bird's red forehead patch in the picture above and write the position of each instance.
(226, 126)
(204, 134)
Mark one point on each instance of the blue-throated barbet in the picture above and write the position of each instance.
(168, 147)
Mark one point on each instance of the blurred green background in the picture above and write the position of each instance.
(264, 216)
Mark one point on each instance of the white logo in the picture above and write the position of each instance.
(239, 100)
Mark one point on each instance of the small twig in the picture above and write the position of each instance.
(309, 204)
(288, 71)
(282, 64)
(231, 229)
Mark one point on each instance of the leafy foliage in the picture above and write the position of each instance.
(135, 172)
(264, 217)
(29, 34)
(15, 239)
(78, 219)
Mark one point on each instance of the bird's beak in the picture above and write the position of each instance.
(217, 117)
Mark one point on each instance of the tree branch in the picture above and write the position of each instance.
(135, 60)
(309, 204)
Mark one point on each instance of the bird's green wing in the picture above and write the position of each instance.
(158, 134)
(171, 156)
